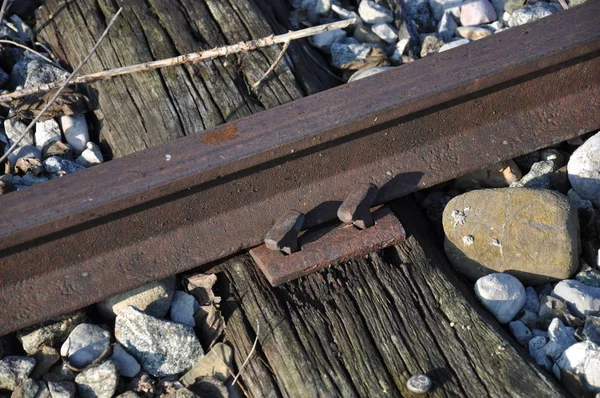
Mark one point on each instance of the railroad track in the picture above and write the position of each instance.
(205, 197)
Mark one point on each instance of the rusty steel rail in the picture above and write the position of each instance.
(75, 240)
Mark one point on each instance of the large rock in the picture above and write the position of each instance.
(98, 382)
(532, 234)
(581, 299)
(153, 298)
(502, 294)
(584, 169)
(163, 348)
(583, 359)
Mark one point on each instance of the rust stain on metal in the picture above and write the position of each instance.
(328, 246)
(228, 133)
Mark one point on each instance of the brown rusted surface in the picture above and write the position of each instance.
(75, 240)
(218, 136)
(327, 246)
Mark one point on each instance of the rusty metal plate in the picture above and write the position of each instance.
(327, 246)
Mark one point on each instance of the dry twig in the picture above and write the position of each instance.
(3, 9)
(272, 67)
(14, 43)
(184, 59)
(64, 85)
(249, 355)
(563, 4)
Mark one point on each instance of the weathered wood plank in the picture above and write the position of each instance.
(148, 108)
(363, 328)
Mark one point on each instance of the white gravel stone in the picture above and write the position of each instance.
(86, 344)
(439, 7)
(537, 349)
(343, 13)
(530, 13)
(27, 389)
(46, 132)
(561, 338)
(14, 128)
(183, 308)
(52, 333)
(372, 13)
(323, 41)
(153, 298)
(163, 348)
(477, 12)
(366, 72)
(27, 151)
(521, 332)
(581, 299)
(502, 294)
(98, 382)
(14, 370)
(584, 169)
(419, 384)
(447, 26)
(91, 156)
(386, 32)
(61, 389)
(399, 50)
(453, 44)
(76, 132)
(127, 364)
(583, 359)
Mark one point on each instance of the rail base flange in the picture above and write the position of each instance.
(327, 246)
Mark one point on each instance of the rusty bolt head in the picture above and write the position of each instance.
(283, 235)
(356, 208)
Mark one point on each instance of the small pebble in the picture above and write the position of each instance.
(52, 333)
(57, 148)
(342, 12)
(561, 338)
(550, 308)
(127, 364)
(447, 26)
(532, 302)
(476, 12)
(86, 343)
(91, 156)
(581, 299)
(419, 384)
(539, 177)
(372, 13)
(583, 359)
(584, 169)
(31, 73)
(14, 370)
(431, 45)
(76, 131)
(61, 389)
(385, 32)
(521, 332)
(531, 13)
(26, 389)
(502, 294)
(591, 329)
(472, 32)
(439, 7)
(14, 128)
(44, 359)
(323, 41)
(61, 166)
(98, 382)
(537, 349)
(323, 6)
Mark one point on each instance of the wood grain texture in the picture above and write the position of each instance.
(148, 108)
(364, 327)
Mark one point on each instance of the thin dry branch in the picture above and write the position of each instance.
(64, 85)
(3, 9)
(184, 59)
(272, 67)
(249, 355)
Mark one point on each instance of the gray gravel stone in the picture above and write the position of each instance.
(43, 391)
(591, 329)
(561, 338)
(163, 348)
(386, 32)
(14, 370)
(31, 73)
(60, 166)
(372, 13)
(531, 13)
(453, 44)
(323, 41)
(532, 302)
(61, 389)
(127, 364)
(537, 349)
(14, 128)
(539, 177)
(98, 382)
(44, 359)
(128, 394)
(27, 389)
(366, 72)
(183, 308)
(502, 294)
(419, 384)
(26, 151)
(153, 298)
(529, 318)
(440, 6)
(345, 53)
(581, 299)
(4, 77)
(447, 26)
(550, 308)
(86, 343)
(92, 155)
(584, 169)
(521, 332)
